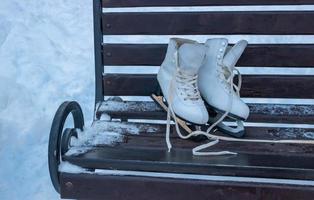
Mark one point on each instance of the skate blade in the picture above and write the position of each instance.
(237, 131)
(160, 102)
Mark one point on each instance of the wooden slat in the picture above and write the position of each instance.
(136, 85)
(93, 186)
(263, 86)
(274, 113)
(238, 147)
(266, 55)
(146, 151)
(148, 135)
(193, 23)
(182, 161)
(158, 130)
(153, 136)
(142, 3)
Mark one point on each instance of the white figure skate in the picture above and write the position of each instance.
(217, 87)
(177, 78)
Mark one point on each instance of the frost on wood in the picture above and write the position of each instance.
(128, 106)
(292, 133)
(70, 168)
(267, 109)
(276, 109)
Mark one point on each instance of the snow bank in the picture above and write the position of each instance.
(46, 57)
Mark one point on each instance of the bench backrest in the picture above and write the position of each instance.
(264, 24)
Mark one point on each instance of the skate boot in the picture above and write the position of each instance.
(177, 78)
(217, 87)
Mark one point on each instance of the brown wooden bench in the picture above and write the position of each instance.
(139, 166)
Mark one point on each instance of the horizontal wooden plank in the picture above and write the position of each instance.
(149, 135)
(182, 161)
(93, 186)
(158, 130)
(128, 85)
(193, 23)
(272, 113)
(145, 150)
(144, 3)
(266, 55)
(238, 147)
(263, 86)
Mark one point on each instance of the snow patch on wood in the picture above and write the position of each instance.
(276, 109)
(99, 134)
(127, 106)
(292, 133)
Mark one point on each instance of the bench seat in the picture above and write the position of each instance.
(146, 150)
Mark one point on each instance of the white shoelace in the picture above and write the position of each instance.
(191, 87)
(189, 83)
(188, 86)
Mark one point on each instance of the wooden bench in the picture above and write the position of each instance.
(139, 166)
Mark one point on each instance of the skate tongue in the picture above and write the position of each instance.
(191, 57)
(232, 56)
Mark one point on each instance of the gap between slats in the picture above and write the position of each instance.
(210, 8)
(119, 69)
(193, 3)
(233, 38)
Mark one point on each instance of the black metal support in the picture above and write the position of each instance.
(98, 40)
(59, 139)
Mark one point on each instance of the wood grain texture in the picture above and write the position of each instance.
(146, 151)
(272, 113)
(178, 160)
(263, 86)
(265, 55)
(149, 135)
(158, 130)
(92, 186)
(239, 147)
(143, 3)
(196, 23)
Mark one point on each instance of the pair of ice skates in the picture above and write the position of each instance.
(192, 72)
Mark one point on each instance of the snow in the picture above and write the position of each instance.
(126, 106)
(69, 168)
(46, 57)
(100, 133)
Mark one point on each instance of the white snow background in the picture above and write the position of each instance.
(46, 57)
